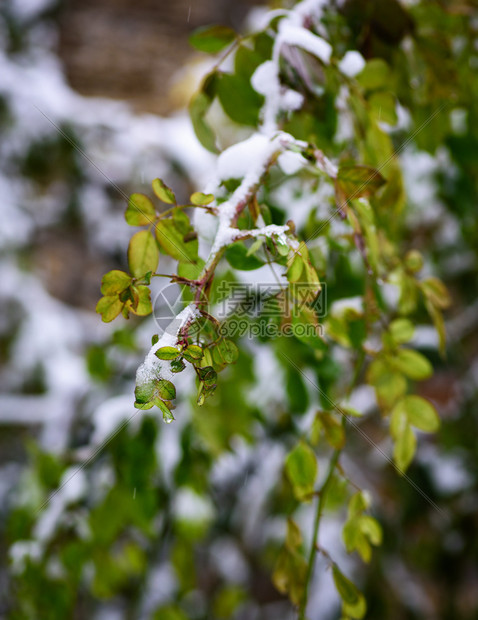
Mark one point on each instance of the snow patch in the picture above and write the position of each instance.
(352, 63)
(152, 368)
(312, 43)
(341, 306)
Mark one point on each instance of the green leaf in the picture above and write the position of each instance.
(130, 297)
(419, 412)
(312, 279)
(389, 387)
(398, 421)
(171, 239)
(246, 61)
(401, 330)
(109, 307)
(154, 392)
(169, 612)
(258, 243)
(408, 294)
(193, 353)
(383, 106)
(198, 198)
(191, 271)
(236, 256)
(414, 261)
(177, 365)
(360, 530)
(98, 363)
(167, 353)
(143, 303)
(163, 192)
(412, 364)
(289, 575)
(378, 148)
(436, 292)
(347, 590)
(144, 406)
(314, 287)
(376, 369)
(405, 447)
(358, 503)
(227, 602)
(212, 39)
(293, 540)
(350, 534)
(145, 392)
(238, 99)
(359, 181)
(301, 469)
(167, 415)
(371, 528)
(355, 540)
(312, 338)
(295, 268)
(356, 611)
(115, 282)
(282, 248)
(143, 253)
(166, 389)
(296, 390)
(333, 429)
(207, 375)
(375, 75)
(439, 323)
(146, 279)
(207, 358)
(198, 108)
(140, 210)
(181, 221)
(226, 351)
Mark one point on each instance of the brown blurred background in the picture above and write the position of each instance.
(130, 49)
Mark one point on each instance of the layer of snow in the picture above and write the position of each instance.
(153, 368)
(425, 336)
(270, 379)
(229, 560)
(290, 162)
(110, 414)
(248, 159)
(352, 63)
(27, 9)
(240, 159)
(341, 306)
(72, 488)
(22, 551)
(362, 399)
(265, 79)
(190, 506)
(295, 35)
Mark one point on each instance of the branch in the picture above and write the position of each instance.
(318, 514)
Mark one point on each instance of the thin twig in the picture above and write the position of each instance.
(318, 515)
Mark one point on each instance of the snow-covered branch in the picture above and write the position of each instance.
(250, 159)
